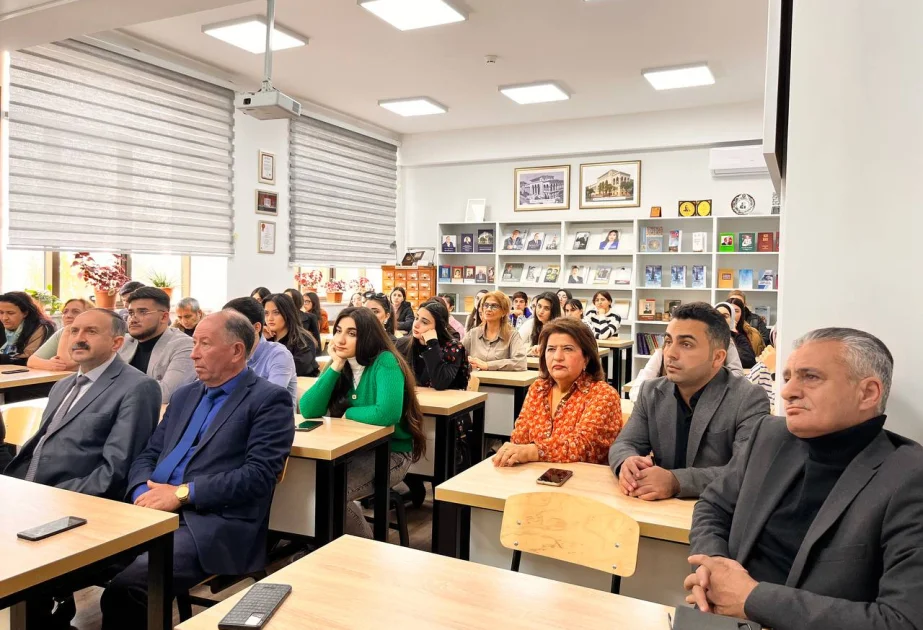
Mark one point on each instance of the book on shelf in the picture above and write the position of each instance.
(653, 239)
(480, 274)
(744, 278)
(469, 303)
(622, 308)
(491, 274)
(610, 240)
(467, 243)
(775, 243)
(767, 280)
(445, 273)
(469, 273)
(580, 240)
(675, 244)
(765, 242)
(726, 242)
(552, 241)
(647, 309)
(669, 306)
(512, 272)
(699, 273)
(602, 274)
(678, 276)
(514, 240)
(458, 274)
(533, 273)
(747, 241)
(486, 240)
(621, 275)
(725, 278)
(535, 241)
(648, 343)
(551, 273)
(653, 276)
(699, 241)
(763, 311)
(448, 244)
(577, 274)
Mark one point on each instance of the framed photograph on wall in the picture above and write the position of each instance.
(267, 202)
(267, 174)
(266, 237)
(542, 188)
(610, 185)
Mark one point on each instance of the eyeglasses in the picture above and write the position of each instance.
(490, 306)
(141, 313)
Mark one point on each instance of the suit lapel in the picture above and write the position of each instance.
(704, 411)
(665, 413)
(128, 349)
(159, 349)
(856, 476)
(229, 406)
(102, 384)
(55, 398)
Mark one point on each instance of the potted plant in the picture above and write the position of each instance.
(361, 285)
(105, 279)
(162, 282)
(50, 301)
(335, 290)
(309, 280)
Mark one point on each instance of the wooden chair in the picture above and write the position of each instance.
(571, 528)
(21, 423)
(474, 383)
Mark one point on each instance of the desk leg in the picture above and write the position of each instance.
(443, 463)
(519, 399)
(160, 584)
(330, 505)
(629, 370)
(454, 534)
(609, 361)
(617, 383)
(478, 443)
(382, 501)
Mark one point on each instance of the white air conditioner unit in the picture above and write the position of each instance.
(737, 161)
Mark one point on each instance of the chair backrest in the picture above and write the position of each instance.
(21, 423)
(627, 408)
(474, 383)
(281, 476)
(571, 528)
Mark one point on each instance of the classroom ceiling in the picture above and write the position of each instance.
(597, 49)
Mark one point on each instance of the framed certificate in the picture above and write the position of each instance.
(267, 174)
(266, 235)
(267, 202)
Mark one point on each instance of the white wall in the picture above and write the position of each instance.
(851, 226)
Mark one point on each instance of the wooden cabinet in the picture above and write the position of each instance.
(419, 282)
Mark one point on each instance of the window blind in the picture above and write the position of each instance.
(343, 196)
(110, 153)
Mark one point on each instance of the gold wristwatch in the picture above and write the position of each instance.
(182, 493)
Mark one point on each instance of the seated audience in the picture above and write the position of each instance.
(55, 353)
(573, 309)
(438, 360)
(570, 413)
(756, 321)
(24, 330)
(312, 305)
(152, 346)
(741, 325)
(563, 296)
(738, 337)
(521, 311)
(601, 318)
(673, 413)
(188, 315)
(268, 359)
(457, 326)
(308, 320)
(547, 308)
(654, 368)
(356, 300)
(95, 424)
(494, 345)
(474, 317)
(284, 325)
(368, 381)
(260, 294)
(403, 311)
(214, 460)
(124, 291)
(817, 522)
(380, 305)
(764, 372)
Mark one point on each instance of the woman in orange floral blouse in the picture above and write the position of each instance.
(570, 414)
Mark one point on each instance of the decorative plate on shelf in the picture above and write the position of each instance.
(686, 208)
(743, 204)
(703, 208)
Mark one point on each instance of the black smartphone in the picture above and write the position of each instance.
(52, 528)
(693, 619)
(309, 425)
(555, 477)
(17, 371)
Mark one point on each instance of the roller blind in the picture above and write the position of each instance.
(343, 196)
(110, 153)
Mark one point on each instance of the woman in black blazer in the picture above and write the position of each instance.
(284, 324)
(308, 320)
(403, 312)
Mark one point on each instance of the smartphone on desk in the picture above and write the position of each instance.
(309, 425)
(50, 529)
(16, 371)
(556, 477)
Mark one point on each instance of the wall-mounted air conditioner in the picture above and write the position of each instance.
(737, 161)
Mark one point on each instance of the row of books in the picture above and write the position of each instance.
(527, 240)
(748, 242)
(602, 275)
(652, 242)
(466, 243)
(475, 274)
(647, 310)
(766, 280)
(653, 276)
(647, 343)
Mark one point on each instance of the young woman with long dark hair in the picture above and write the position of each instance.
(474, 317)
(284, 326)
(437, 358)
(312, 305)
(260, 294)
(308, 320)
(368, 381)
(547, 308)
(380, 305)
(23, 329)
(403, 311)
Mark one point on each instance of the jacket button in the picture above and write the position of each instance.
(354, 397)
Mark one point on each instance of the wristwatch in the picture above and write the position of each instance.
(182, 493)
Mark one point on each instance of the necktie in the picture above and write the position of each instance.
(56, 422)
(169, 463)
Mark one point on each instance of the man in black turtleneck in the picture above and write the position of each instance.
(818, 523)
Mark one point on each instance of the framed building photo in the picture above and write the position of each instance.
(266, 235)
(267, 174)
(267, 202)
(610, 185)
(542, 188)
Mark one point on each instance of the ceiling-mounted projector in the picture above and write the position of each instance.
(268, 105)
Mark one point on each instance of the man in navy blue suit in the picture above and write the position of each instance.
(214, 459)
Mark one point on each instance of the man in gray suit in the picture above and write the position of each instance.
(152, 346)
(818, 522)
(693, 419)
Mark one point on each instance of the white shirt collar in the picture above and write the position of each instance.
(96, 372)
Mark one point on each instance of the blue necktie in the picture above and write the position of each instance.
(169, 463)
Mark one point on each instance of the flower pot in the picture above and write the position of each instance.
(104, 300)
(335, 297)
(309, 290)
(168, 291)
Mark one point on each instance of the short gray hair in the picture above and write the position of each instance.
(118, 325)
(189, 303)
(239, 328)
(865, 354)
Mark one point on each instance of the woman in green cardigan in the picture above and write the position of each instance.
(368, 381)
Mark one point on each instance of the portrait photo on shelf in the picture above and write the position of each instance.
(610, 185)
(542, 188)
(610, 240)
(267, 202)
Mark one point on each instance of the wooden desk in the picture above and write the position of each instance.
(325, 340)
(532, 362)
(354, 583)
(11, 382)
(33, 568)
(616, 377)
